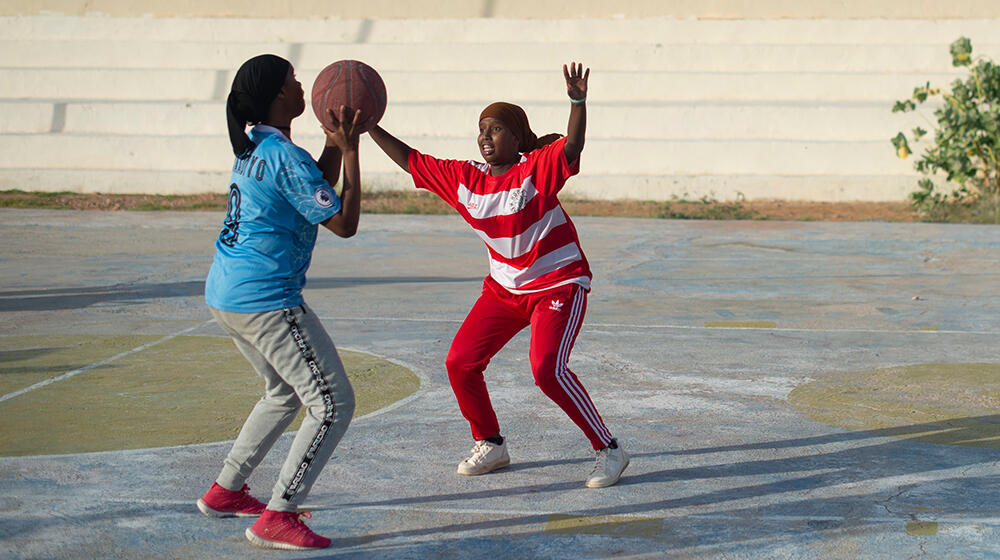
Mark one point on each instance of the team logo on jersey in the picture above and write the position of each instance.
(323, 197)
(516, 201)
(556, 305)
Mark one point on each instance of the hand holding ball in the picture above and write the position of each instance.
(351, 83)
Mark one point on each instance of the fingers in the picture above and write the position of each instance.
(333, 117)
(575, 71)
(356, 120)
(576, 80)
(576, 75)
(345, 120)
(346, 117)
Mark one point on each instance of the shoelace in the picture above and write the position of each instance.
(479, 451)
(294, 524)
(245, 497)
(602, 457)
(300, 517)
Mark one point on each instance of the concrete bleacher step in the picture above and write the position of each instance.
(662, 30)
(686, 120)
(659, 187)
(604, 156)
(676, 106)
(71, 84)
(518, 56)
(586, 185)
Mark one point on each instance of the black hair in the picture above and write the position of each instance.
(255, 87)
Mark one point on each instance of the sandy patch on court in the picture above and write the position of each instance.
(186, 390)
(953, 404)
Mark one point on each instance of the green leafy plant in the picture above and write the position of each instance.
(966, 141)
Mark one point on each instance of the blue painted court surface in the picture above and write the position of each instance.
(701, 344)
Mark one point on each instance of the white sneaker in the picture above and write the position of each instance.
(608, 468)
(486, 456)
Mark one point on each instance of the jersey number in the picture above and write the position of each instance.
(231, 225)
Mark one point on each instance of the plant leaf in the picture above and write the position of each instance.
(961, 52)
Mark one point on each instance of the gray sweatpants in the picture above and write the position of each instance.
(291, 350)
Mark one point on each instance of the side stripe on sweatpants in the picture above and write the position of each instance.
(328, 408)
(567, 382)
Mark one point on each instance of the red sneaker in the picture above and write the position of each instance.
(220, 502)
(285, 530)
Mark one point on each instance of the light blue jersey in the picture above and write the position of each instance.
(277, 197)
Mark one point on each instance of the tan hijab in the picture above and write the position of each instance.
(517, 121)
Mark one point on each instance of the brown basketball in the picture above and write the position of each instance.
(351, 83)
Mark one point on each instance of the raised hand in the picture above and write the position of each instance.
(576, 80)
(346, 129)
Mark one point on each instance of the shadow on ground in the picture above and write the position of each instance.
(75, 298)
(811, 472)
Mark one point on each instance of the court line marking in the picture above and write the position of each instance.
(105, 361)
(424, 384)
(587, 324)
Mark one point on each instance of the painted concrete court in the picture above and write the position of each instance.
(786, 390)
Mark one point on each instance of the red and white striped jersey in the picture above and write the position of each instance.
(532, 243)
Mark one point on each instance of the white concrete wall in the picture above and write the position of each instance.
(790, 108)
(520, 9)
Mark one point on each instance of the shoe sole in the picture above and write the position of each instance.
(260, 542)
(497, 466)
(609, 483)
(204, 508)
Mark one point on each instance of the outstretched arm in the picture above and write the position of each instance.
(576, 87)
(343, 140)
(396, 149)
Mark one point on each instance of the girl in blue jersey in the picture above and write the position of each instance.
(277, 198)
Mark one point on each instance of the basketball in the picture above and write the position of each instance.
(351, 83)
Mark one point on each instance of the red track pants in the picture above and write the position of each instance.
(555, 317)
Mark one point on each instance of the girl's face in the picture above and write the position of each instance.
(293, 93)
(497, 143)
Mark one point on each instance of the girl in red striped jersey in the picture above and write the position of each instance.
(538, 273)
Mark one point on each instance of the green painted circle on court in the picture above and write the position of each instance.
(185, 390)
(953, 404)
